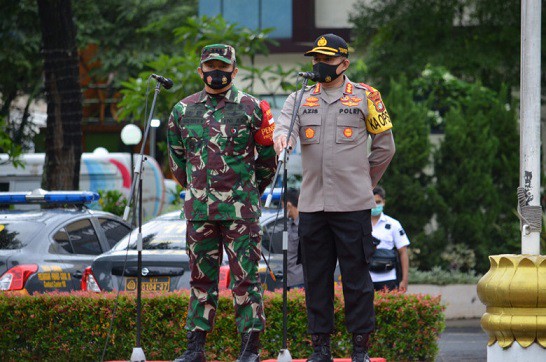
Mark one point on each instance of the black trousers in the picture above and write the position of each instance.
(325, 238)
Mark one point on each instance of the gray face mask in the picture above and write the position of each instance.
(326, 72)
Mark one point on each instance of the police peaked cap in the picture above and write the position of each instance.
(329, 44)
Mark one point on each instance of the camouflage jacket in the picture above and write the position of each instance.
(221, 151)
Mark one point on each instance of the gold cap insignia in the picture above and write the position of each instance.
(322, 42)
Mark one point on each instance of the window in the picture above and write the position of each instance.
(114, 230)
(17, 234)
(83, 237)
(272, 238)
(62, 243)
(253, 14)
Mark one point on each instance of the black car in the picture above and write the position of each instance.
(48, 249)
(165, 264)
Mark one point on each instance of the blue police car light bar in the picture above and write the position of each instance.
(277, 192)
(13, 198)
(71, 197)
(52, 197)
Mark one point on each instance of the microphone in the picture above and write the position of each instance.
(165, 82)
(309, 75)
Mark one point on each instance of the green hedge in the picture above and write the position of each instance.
(73, 327)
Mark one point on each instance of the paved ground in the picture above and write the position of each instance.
(463, 341)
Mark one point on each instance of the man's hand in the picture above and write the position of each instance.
(281, 143)
(403, 286)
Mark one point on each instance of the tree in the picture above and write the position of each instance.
(406, 182)
(474, 172)
(21, 78)
(64, 97)
(128, 33)
(191, 36)
(477, 40)
(12, 149)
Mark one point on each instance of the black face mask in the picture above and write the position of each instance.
(326, 72)
(217, 79)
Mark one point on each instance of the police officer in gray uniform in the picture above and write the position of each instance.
(333, 124)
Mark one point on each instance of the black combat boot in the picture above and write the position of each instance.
(360, 348)
(321, 347)
(250, 347)
(196, 348)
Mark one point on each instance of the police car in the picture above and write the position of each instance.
(48, 249)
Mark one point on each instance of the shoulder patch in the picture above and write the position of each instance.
(402, 232)
(388, 226)
(264, 136)
(365, 86)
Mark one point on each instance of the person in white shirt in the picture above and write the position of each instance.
(391, 235)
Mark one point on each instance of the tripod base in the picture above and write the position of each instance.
(284, 356)
(138, 355)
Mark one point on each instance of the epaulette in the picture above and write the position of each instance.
(364, 86)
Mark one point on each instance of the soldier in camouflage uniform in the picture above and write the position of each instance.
(221, 151)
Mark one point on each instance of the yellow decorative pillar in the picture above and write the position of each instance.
(514, 293)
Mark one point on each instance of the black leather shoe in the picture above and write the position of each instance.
(321, 348)
(196, 348)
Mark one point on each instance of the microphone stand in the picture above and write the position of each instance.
(138, 354)
(284, 354)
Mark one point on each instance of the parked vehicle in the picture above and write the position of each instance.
(48, 249)
(98, 171)
(165, 264)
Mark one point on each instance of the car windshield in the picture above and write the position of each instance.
(157, 235)
(17, 234)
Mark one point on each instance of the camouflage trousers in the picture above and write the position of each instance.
(242, 242)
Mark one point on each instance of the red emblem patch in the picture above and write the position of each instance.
(309, 133)
(348, 132)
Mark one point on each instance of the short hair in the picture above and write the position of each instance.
(378, 190)
(292, 196)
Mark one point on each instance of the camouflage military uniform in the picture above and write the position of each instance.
(221, 151)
